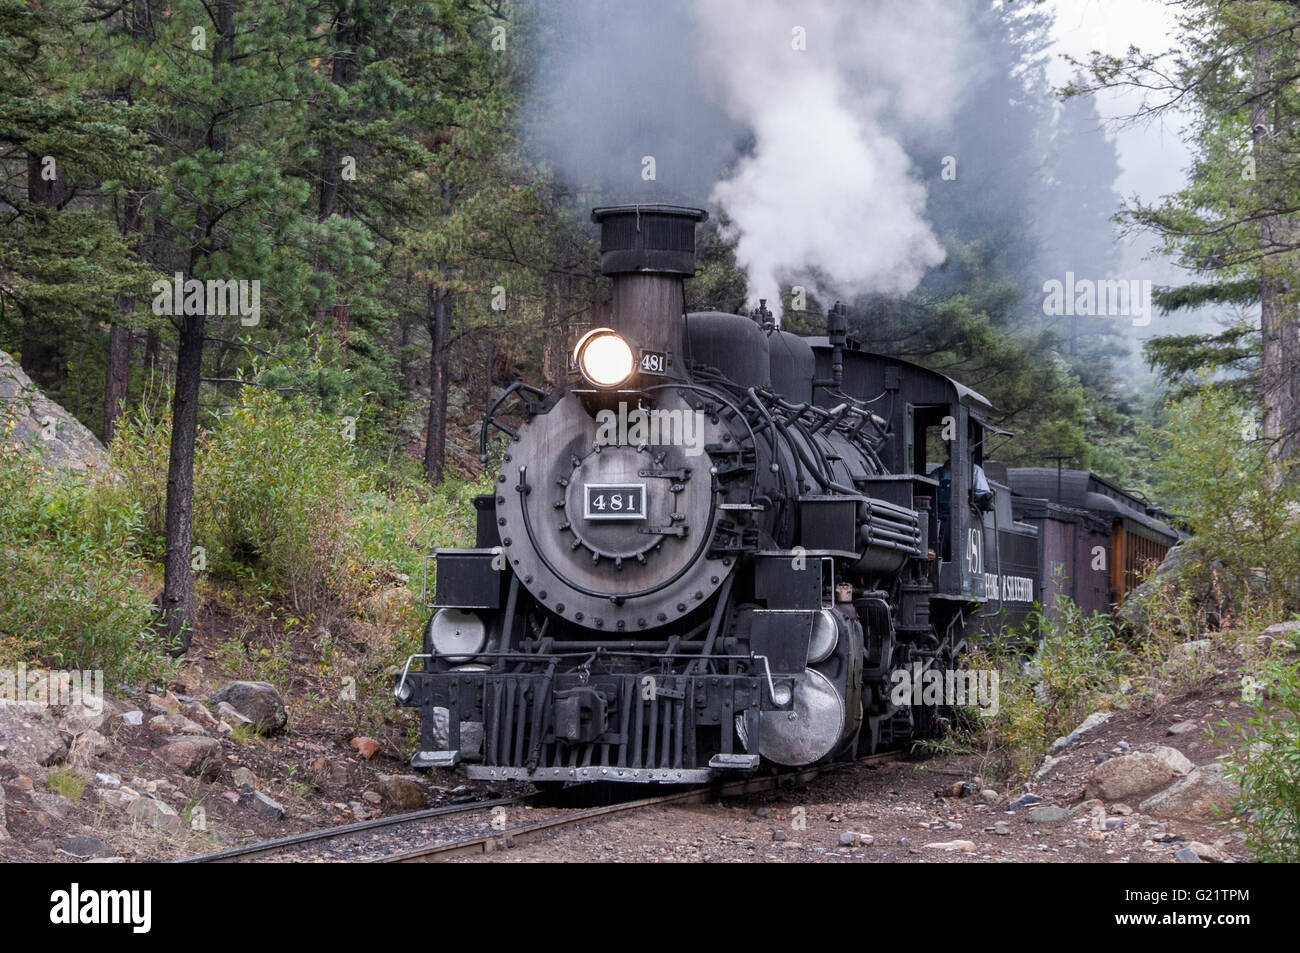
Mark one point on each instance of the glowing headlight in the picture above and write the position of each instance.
(604, 358)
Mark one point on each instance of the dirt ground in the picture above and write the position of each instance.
(905, 810)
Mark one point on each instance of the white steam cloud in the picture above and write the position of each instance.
(827, 195)
(804, 149)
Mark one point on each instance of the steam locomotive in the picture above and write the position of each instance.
(722, 547)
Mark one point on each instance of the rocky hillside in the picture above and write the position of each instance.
(30, 418)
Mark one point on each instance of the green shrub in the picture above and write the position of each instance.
(1046, 695)
(75, 592)
(1243, 507)
(1267, 765)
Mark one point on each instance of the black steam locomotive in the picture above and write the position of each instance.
(722, 546)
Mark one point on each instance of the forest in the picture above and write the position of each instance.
(279, 258)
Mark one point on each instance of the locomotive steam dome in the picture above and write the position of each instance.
(607, 518)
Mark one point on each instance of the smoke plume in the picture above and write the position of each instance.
(791, 118)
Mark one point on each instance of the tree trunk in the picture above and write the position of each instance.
(117, 379)
(439, 302)
(178, 603)
(1279, 372)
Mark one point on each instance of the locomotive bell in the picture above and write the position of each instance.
(648, 250)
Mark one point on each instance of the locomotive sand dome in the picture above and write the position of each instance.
(719, 547)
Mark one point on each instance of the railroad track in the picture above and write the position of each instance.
(299, 846)
(514, 837)
(458, 835)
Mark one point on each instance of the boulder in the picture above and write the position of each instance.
(1137, 773)
(78, 719)
(154, 813)
(368, 747)
(402, 791)
(64, 442)
(30, 735)
(55, 805)
(198, 757)
(258, 702)
(134, 718)
(1207, 852)
(86, 747)
(1205, 794)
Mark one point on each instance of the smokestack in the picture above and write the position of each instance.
(647, 250)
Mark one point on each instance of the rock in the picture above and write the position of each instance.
(372, 797)
(244, 778)
(1089, 723)
(1185, 855)
(86, 747)
(1002, 829)
(1049, 768)
(155, 813)
(55, 805)
(29, 734)
(1025, 800)
(1121, 808)
(1188, 652)
(1183, 728)
(64, 443)
(263, 805)
(170, 725)
(1048, 815)
(134, 718)
(1203, 795)
(965, 845)
(198, 757)
(83, 845)
(230, 716)
(331, 771)
(118, 797)
(359, 810)
(990, 796)
(1207, 852)
(199, 714)
(78, 719)
(368, 747)
(1286, 631)
(779, 836)
(1114, 823)
(167, 704)
(259, 702)
(402, 791)
(1137, 773)
(856, 839)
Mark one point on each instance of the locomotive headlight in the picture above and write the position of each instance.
(604, 358)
